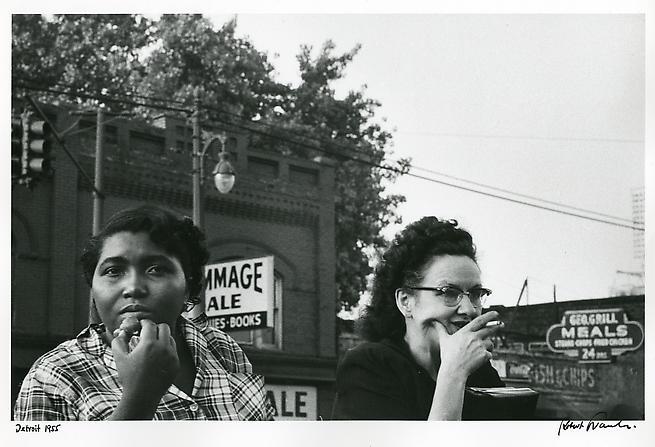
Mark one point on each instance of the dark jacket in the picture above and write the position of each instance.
(381, 380)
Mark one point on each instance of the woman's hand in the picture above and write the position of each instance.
(468, 348)
(129, 326)
(147, 371)
(461, 353)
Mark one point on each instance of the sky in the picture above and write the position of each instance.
(550, 106)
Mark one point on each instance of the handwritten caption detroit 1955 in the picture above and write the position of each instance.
(36, 428)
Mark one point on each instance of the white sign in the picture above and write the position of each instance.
(293, 402)
(595, 335)
(239, 294)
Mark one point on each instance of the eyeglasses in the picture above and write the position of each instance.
(452, 295)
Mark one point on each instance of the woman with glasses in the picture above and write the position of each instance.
(427, 339)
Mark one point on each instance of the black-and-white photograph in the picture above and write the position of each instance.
(245, 216)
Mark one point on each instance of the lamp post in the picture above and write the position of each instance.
(223, 172)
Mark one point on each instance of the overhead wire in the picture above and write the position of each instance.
(348, 148)
(468, 189)
(524, 137)
(108, 98)
(563, 205)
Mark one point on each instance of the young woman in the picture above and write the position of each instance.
(145, 360)
(427, 336)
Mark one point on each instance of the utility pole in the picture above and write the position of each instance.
(527, 293)
(555, 305)
(197, 160)
(98, 200)
(98, 197)
(524, 288)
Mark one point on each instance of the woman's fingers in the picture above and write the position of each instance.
(120, 344)
(131, 325)
(148, 330)
(486, 325)
(480, 322)
(490, 331)
(163, 331)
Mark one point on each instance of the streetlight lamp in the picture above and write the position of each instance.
(223, 172)
(224, 175)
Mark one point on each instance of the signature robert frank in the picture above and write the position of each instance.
(592, 424)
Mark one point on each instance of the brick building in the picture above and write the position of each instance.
(280, 206)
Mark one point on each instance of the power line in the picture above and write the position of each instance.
(411, 166)
(522, 195)
(76, 92)
(534, 205)
(105, 98)
(468, 181)
(525, 137)
(450, 184)
(375, 165)
(350, 149)
(320, 141)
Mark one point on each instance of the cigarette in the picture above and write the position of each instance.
(493, 323)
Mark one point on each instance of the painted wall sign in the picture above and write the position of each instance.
(563, 377)
(239, 294)
(595, 335)
(556, 376)
(293, 402)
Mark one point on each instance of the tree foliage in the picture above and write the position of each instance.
(124, 56)
(229, 72)
(94, 54)
(360, 146)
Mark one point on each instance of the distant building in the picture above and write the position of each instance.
(631, 281)
(575, 387)
(639, 218)
(280, 206)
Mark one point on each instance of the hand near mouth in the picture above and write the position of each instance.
(129, 331)
(131, 325)
(468, 348)
(146, 371)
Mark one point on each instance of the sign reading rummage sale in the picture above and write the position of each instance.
(239, 294)
(595, 335)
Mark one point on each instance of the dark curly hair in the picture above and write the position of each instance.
(404, 264)
(177, 235)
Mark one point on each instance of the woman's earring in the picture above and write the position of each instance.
(188, 305)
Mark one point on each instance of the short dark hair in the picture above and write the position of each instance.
(403, 264)
(174, 233)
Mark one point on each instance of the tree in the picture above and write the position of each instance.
(230, 73)
(361, 146)
(93, 54)
(165, 60)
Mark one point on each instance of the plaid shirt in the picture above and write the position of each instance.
(78, 380)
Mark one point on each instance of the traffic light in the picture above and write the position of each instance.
(36, 147)
(16, 148)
